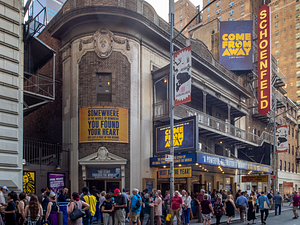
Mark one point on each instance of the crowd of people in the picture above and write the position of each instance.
(119, 207)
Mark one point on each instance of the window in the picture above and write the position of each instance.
(291, 55)
(298, 93)
(284, 11)
(291, 27)
(297, 16)
(298, 74)
(297, 7)
(293, 150)
(180, 3)
(208, 1)
(276, 24)
(276, 7)
(219, 18)
(298, 64)
(276, 15)
(242, 14)
(284, 166)
(103, 88)
(291, 45)
(280, 164)
(180, 18)
(292, 84)
(284, 29)
(284, 39)
(242, 6)
(187, 4)
(298, 83)
(277, 34)
(298, 36)
(291, 17)
(276, 52)
(276, 43)
(208, 16)
(293, 167)
(292, 137)
(180, 10)
(181, 24)
(289, 133)
(298, 55)
(291, 8)
(297, 26)
(208, 9)
(291, 36)
(289, 167)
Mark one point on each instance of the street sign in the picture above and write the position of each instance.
(169, 158)
(263, 178)
(273, 176)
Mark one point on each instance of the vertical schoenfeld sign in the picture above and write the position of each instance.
(183, 72)
(264, 60)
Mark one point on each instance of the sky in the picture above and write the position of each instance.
(162, 7)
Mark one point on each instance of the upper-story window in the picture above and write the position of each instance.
(180, 17)
(276, 52)
(103, 89)
(180, 3)
(280, 164)
(208, 9)
(181, 24)
(208, 1)
(242, 14)
(180, 10)
(276, 7)
(276, 16)
(284, 166)
(242, 6)
(277, 24)
(276, 33)
(208, 16)
(187, 4)
(276, 43)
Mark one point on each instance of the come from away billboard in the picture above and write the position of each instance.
(185, 136)
(235, 44)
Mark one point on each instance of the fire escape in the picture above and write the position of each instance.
(39, 60)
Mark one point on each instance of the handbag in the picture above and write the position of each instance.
(266, 206)
(77, 213)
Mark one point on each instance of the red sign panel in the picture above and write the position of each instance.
(273, 176)
(264, 60)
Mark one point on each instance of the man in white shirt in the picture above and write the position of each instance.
(4, 189)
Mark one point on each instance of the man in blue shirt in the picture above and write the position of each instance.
(278, 200)
(242, 203)
(136, 206)
(261, 201)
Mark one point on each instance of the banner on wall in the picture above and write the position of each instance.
(180, 172)
(103, 124)
(282, 138)
(29, 185)
(183, 75)
(236, 44)
(56, 181)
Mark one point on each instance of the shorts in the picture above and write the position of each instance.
(206, 216)
(134, 217)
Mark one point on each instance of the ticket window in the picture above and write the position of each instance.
(104, 185)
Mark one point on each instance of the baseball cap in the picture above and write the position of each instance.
(116, 191)
(4, 187)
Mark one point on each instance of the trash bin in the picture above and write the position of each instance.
(63, 210)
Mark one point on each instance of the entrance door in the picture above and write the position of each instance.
(99, 184)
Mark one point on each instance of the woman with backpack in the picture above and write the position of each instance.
(33, 211)
(74, 204)
(52, 210)
(218, 209)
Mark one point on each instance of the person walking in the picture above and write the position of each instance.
(219, 209)
(278, 201)
(206, 209)
(21, 208)
(264, 206)
(229, 208)
(251, 210)
(52, 210)
(176, 207)
(107, 208)
(33, 211)
(270, 198)
(186, 206)
(295, 202)
(10, 211)
(76, 203)
(242, 203)
(158, 207)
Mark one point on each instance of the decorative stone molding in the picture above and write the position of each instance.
(102, 154)
(103, 42)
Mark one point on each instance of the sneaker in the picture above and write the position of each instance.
(127, 220)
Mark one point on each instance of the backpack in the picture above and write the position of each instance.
(269, 196)
(138, 204)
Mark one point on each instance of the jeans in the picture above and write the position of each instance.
(218, 219)
(242, 212)
(146, 219)
(107, 219)
(186, 215)
(266, 211)
(276, 206)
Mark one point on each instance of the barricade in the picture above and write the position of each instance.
(63, 209)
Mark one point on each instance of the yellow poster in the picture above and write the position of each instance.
(28, 182)
(180, 172)
(103, 124)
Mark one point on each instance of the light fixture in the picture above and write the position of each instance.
(206, 170)
(58, 167)
(164, 166)
(197, 164)
(24, 162)
(223, 172)
(179, 165)
(221, 142)
(165, 80)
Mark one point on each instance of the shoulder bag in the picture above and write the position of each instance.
(266, 206)
(77, 213)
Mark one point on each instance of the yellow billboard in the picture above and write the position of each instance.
(103, 124)
(262, 178)
(29, 182)
(180, 172)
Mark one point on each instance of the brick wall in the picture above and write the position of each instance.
(118, 65)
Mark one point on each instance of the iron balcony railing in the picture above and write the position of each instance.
(43, 153)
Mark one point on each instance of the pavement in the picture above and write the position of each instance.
(285, 218)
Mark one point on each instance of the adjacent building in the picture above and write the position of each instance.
(11, 94)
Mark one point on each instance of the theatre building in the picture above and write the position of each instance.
(114, 64)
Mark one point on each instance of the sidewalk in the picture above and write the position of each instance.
(235, 219)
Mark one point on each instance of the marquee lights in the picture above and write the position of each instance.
(264, 60)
